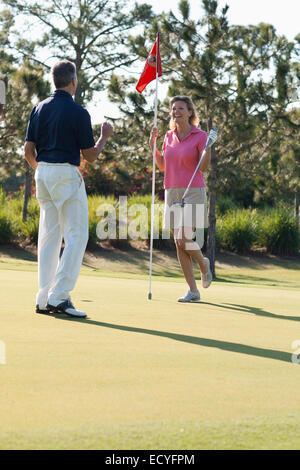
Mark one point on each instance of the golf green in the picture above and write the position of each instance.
(140, 374)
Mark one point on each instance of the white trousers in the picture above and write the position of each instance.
(62, 198)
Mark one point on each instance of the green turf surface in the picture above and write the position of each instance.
(140, 374)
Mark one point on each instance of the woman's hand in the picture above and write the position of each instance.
(158, 156)
(153, 136)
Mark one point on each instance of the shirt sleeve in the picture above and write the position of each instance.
(202, 141)
(85, 132)
(30, 134)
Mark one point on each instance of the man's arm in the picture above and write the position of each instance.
(30, 154)
(92, 153)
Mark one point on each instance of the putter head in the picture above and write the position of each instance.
(179, 204)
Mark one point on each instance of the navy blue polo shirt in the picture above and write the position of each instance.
(59, 127)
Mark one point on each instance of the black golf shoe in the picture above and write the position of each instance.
(66, 307)
(45, 311)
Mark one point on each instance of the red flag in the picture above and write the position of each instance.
(153, 62)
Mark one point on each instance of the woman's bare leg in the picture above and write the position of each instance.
(191, 247)
(186, 264)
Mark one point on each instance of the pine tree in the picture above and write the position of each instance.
(24, 84)
(229, 73)
(92, 33)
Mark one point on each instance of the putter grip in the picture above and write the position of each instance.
(209, 141)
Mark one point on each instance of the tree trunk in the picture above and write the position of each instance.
(211, 238)
(78, 94)
(296, 205)
(27, 193)
(79, 90)
(3, 88)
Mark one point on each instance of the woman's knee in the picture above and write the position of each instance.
(182, 243)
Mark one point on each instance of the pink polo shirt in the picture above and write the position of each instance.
(182, 157)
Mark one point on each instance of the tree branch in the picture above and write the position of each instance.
(244, 147)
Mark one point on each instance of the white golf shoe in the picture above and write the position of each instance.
(190, 297)
(207, 277)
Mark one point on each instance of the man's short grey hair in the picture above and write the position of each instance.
(62, 73)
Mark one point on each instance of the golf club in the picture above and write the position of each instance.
(211, 139)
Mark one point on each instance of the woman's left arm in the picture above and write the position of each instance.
(206, 160)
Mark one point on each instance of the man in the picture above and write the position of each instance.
(58, 130)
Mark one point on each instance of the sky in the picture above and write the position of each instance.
(283, 15)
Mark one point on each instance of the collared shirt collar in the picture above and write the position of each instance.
(62, 93)
(194, 130)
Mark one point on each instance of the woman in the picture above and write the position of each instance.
(183, 145)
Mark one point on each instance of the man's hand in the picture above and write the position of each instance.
(106, 130)
(92, 153)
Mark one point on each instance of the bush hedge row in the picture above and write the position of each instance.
(238, 230)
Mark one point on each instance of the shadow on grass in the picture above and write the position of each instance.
(253, 310)
(136, 261)
(257, 281)
(257, 261)
(246, 279)
(209, 343)
(17, 252)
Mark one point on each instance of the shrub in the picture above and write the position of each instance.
(107, 205)
(2, 197)
(30, 229)
(279, 232)
(23, 230)
(237, 231)
(6, 229)
(6, 226)
(138, 220)
(225, 204)
(158, 242)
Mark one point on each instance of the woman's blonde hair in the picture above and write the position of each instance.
(193, 119)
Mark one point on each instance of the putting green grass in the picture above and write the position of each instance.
(140, 374)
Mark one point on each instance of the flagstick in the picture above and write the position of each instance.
(153, 188)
